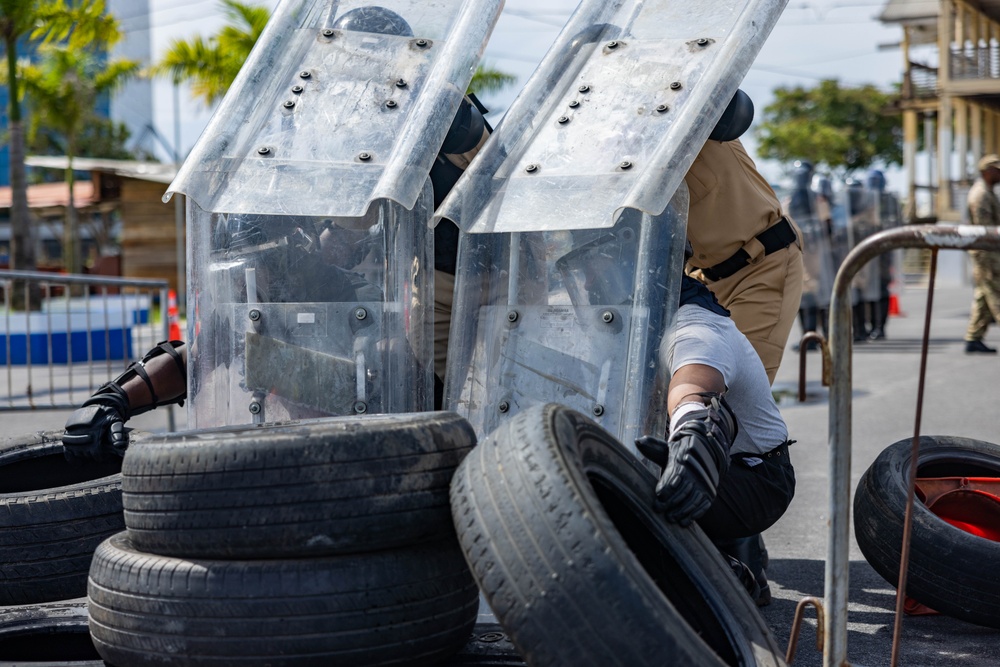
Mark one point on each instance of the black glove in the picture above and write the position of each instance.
(97, 430)
(694, 459)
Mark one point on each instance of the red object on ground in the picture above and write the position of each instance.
(894, 306)
(971, 504)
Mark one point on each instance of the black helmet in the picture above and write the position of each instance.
(374, 19)
(735, 119)
(802, 175)
(876, 180)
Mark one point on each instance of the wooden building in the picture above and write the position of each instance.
(950, 101)
(152, 232)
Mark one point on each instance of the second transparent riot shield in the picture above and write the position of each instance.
(572, 317)
(817, 255)
(302, 317)
(863, 220)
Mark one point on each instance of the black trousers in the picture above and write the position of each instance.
(750, 499)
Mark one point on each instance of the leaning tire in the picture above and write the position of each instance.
(306, 488)
(558, 524)
(947, 568)
(52, 517)
(414, 606)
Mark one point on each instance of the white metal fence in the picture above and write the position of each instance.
(62, 336)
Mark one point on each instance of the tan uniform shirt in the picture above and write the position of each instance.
(731, 202)
(984, 207)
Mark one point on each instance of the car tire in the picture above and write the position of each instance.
(946, 564)
(52, 634)
(53, 514)
(415, 605)
(308, 488)
(558, 523)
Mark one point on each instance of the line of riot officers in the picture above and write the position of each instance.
(832, 223)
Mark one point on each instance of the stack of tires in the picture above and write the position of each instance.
(326, 542)
(52, 517)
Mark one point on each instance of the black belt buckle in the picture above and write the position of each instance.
(778, 236)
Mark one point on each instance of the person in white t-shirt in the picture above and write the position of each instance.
(725, 459)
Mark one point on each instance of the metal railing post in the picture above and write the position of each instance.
(953, 237)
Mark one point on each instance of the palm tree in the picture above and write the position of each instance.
(34, 22)
(211, 64)
(489, 80)
(17, 20)
(63, 89)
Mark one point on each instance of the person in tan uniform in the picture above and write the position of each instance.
(984, 209)
(746, 250)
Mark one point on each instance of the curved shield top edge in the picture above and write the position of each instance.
(652, 189)
(276, 35)
(403, 172)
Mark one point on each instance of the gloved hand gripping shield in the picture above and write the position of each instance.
(310, 258)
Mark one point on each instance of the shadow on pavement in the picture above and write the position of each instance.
(925, 641)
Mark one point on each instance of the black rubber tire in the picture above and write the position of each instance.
(314, 487)
(557, 521)
(949, 570)
(53, 634)
(52, 517)
(415, 606)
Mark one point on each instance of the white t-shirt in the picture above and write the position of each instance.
(699, 336)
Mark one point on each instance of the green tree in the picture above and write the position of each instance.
(211, 64)
(489, 80)
(63, 89)
(31, 23)
(842, 127)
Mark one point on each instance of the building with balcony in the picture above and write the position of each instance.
(950, 99)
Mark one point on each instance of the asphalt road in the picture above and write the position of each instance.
(959, 400)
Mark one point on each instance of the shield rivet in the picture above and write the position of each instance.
(676, 85)
(391, 104)
(305, 74)
(289, 104)
(504, 406)
(662, 108)
(584, 88)
(263, 150)
(531, 168)
(563, 120)
(364, 157)
(625, 165)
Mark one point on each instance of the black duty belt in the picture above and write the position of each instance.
(778, 236)
(779, 452)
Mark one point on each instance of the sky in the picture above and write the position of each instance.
(812, 40)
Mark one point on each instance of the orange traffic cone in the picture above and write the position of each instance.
(894, 306)
(173, 316)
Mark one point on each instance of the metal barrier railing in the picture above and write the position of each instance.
(933, 237)
(61, 336)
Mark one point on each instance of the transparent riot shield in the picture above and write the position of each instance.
(339, 104)
(310, 258)
(573, 316)
(862, 216)
(300, 317)
(614, 115)
(817, 257)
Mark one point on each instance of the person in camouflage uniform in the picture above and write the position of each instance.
(984, 209)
